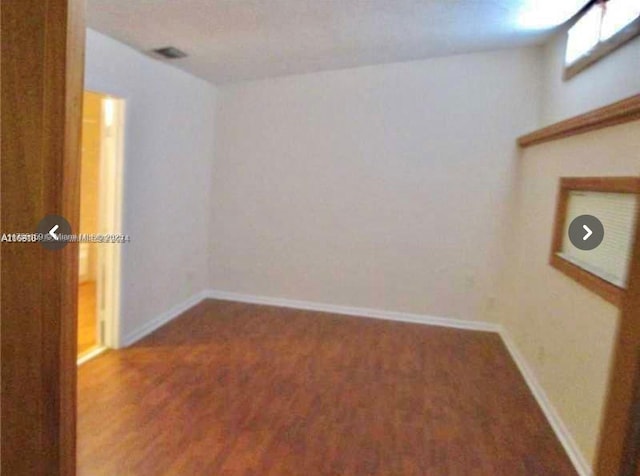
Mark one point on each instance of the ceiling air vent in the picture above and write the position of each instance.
(170, 52)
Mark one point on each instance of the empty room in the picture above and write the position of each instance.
(320, 237)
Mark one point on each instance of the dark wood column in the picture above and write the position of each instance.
(42, 69)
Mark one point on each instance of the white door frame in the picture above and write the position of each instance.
(110, 220)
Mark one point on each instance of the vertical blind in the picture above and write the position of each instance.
(617, 212)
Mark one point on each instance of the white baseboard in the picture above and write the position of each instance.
(558, 426)
(162, 319)
(354, 311)
(87, 356)
(560, 429)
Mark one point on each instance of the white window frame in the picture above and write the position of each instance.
(603, 46)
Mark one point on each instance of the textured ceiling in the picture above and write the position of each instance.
(234, 40)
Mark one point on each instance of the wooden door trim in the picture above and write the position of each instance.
(42, 47)
(615, 446)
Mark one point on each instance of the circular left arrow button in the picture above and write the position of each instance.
(53, 229)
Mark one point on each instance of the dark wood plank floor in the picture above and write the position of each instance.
(237, 389)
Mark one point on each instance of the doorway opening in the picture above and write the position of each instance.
(100, 214)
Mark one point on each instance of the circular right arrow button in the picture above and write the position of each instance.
(586, 232)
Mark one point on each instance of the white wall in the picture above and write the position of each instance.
(382, 187)
(395, 187)
(564, 330)
(168, 158)
(615, 77)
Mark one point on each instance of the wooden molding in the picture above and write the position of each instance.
(608, 291)
(619, 112)
(618, 447)
(602, 184)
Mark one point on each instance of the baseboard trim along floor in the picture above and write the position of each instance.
(162, 319)
(355, 311)
(91, 354)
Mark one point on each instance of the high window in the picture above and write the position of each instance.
(600, 29)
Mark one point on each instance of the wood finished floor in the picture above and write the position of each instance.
(238, 389)
(87, 320)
